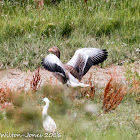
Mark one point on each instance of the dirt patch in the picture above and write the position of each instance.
(17, 79)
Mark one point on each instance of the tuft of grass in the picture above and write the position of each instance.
(133, 81)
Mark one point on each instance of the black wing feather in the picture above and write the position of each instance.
(96, 60)
(53, 67)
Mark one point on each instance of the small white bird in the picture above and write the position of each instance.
(48, 123)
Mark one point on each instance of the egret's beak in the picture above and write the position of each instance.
(41, 99)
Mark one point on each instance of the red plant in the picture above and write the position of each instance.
(36, 81)
(4, 93)
(90, 91)
(4, 96)
(86, 2)
(40, 3)
(113, 95)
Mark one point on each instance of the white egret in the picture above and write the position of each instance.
(48, 123)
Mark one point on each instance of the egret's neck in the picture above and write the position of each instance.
(45, 109)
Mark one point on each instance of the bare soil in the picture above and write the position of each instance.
(17, 79)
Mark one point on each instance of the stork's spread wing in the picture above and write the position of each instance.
(52, 63)
(83, 59)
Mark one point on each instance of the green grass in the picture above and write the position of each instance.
(25, 116)
(27, 32)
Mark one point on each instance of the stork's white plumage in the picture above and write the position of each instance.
(76, 68)
(48, 123)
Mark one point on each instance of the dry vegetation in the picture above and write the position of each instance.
(36, 81)
(89, 92)
(113, 95)
(5, 94)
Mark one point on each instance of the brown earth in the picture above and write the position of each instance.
(17, 79)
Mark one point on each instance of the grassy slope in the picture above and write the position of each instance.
(26, 33)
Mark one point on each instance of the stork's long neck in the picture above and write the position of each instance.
(45, 110)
